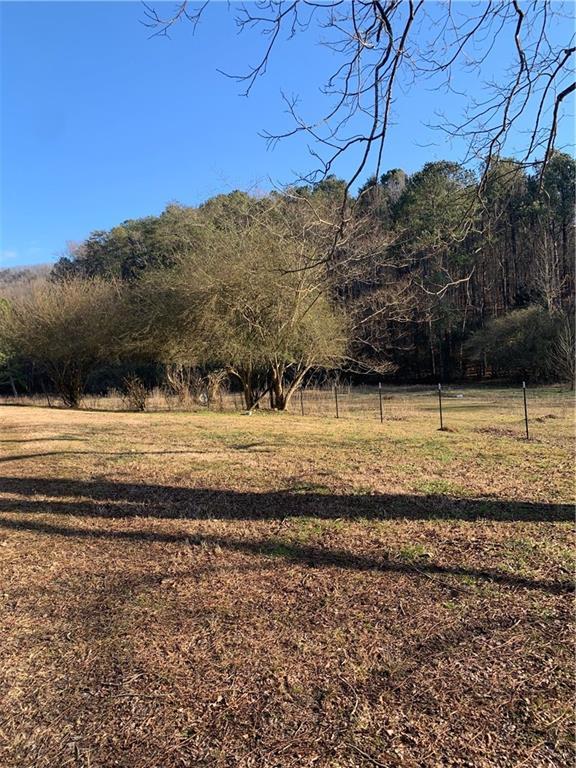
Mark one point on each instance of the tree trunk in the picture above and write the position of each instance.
(249, 395)
(69, 383)
(277, 390)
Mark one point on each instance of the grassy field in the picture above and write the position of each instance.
(213, 589)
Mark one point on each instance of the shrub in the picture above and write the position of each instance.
(135, 394)
(519, 344)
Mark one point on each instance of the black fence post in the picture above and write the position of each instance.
(302, 401)
(525, 410)
(336, 400)
(380, 398)
(440, 406)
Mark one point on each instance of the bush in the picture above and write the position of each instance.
(66, 330)
(520, 344)
(135, 394)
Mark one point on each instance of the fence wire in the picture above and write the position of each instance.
(488, 407)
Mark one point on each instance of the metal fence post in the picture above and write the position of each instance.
(302, 401)
(336, 399)
(525, 410)
(440, 406)
(380, 398)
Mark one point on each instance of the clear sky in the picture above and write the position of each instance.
(101, 123)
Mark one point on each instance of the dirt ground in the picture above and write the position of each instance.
(220, 590)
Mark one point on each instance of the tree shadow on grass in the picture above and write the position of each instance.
(117, 454)
(311, 556)
(115, 500)
(104, 498)
(63, 438)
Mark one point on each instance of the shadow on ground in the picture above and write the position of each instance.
(308, 555)
(104, 498)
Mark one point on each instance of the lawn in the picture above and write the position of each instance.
(214, 589)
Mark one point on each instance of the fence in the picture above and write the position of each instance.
(448, 407)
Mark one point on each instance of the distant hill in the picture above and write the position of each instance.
(17, 280)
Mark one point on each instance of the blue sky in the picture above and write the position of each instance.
(101, 123)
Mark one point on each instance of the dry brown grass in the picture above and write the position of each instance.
(222, 590)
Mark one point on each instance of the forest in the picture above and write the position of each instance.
(415, 279)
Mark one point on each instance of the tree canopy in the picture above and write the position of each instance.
(430, 283)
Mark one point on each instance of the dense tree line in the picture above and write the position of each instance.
(474, 260)
(421, 279)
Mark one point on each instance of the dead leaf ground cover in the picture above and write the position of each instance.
(220, 590)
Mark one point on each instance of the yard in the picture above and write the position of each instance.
(213, 589)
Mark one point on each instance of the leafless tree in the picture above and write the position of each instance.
(66, 329)
(564, 350)
(385, 49)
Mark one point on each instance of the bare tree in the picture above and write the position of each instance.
(66, 329)
(389, 48)
(255, 302)
(564, 350)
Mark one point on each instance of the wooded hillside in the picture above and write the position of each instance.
(427, 280)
